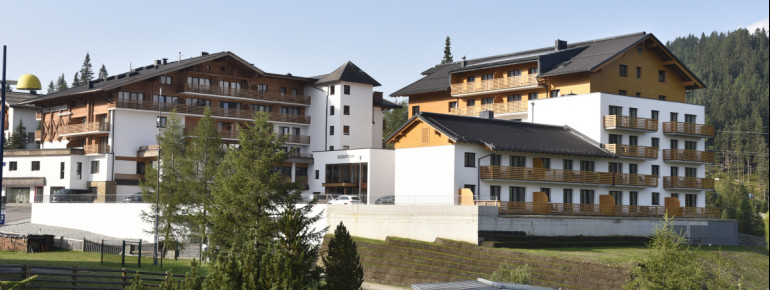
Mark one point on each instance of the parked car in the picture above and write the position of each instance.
(388, 199)
(73, 196)
(136, 197)
(346, 199)
(325, 198)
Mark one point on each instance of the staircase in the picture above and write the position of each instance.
(751, 241)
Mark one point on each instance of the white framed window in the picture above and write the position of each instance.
(166, 80)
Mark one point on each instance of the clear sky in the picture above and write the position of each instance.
(392, 40)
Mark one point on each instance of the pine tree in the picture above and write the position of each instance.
(86, 71)
(103, 73)
(8, 88)
(76, 80)
(18, 139)
(343, 266)
(61, 84)
(447, 51)
(51, 88)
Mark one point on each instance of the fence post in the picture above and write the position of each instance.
(123, 256)
(74, 275)
(83, 248)
(102, 251)
(140, 254)
(123, 273)
(24, 272)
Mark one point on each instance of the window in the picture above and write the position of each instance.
(514, 98)
(128, 96)
(689, 118)
(452, 105)
(674, 144)
(655, 170)
(470, 103)
(31, 137)
(655, 142)
(331, 148)
(516, 193)
(518, 161)
(656, 198)
(622, 92)
(228, 87)
(35, 165)
(532, 70)
(616, 167)
(345, 130)
(674, 116)
(494, 160)
(690, 145)
(690, 200)
(674, 171)
(294, 92)
(471, 79)
(654, 114)
(260, 108)
(633, 198)
(690, 171)
(415, 110)
(199, 82)
(616, 139)
(12, 166)
(633, 140)
(331, 90)
(485, 77)
(346, 110)
(617, 196)
(229, 106)
(317, 174)
(661, 97)
(331, 110)
(623, 70)
(346, 89)
(547, 192)
(675, 195)
(633, 168)
(282, 90)
(165, 99)
(532, 96)
(586, 196)
(289, 111)
(567, 164)
(662, 76)
(95, 166)
(544, 162)
(586, 165)
(198, 102)
(638, 72)
(472, 187)
(638, 94)
(616, 110)
(470, 159)
(140, 168)
(514, 73)
(494, 192)
(567, 195)
(331, 130)
(166, 80)
(554, 93)
(633, 112)
(487, 101)
(300, 171)
(61, 170)
(79, 170)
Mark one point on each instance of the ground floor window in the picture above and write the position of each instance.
(586, 196)
(691, 200)
(633, 198)
(516, 193)
(494, 192)
(347, 178)
(17, 194)
(567, 195)
(618, 196)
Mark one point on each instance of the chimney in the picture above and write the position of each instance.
(203, 53)
(157, 62)
(487, 114)
(560, 44)
(165, 60)
(377, 96)
(464, 62)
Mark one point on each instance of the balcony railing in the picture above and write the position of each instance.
(567, 176)
(633, 151)
(576, 209)
(92, 127)
(632, 123)
(688, 182)
(494, 84)
(684, 128)
(245, 93)
(219, 112)
(96, 148)
(498, 108)
(688, 155)
(296, 139)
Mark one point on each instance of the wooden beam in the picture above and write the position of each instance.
(669, 62)
(688, 83)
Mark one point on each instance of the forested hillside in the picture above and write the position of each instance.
(734, 67)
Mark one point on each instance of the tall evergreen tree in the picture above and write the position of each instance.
(103, 73)
(18, 139)
(86, 71)
(51, 88)
(447, 51)
(76, 80)
(61, 83)
(343, 266)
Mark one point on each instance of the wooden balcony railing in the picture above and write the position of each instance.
(688, 182)
(95, 127)
(576, 209)
(633, 123)
(567, 176)
(632, 151)
(498, 108)
(684, 128)
(219, 112)
(494, 84)
(296, 139)
(96, 148)
(38, 135)
(688, 155)
(246, 93)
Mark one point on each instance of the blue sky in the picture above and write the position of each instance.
(393, 41)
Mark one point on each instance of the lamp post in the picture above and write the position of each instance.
(157, 185)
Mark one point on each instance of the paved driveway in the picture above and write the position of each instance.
(17, 212)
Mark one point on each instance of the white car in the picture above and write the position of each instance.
(346, 199)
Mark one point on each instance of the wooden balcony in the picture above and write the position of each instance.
(576, 209)
(148, 151)
(245, 93)
(96, 149)
(567, 176)
(617, 122)
(296, 139)
(498, 84)
(632, 151)
(498, 108)
(218, 112)
(84, 129)
(688, 129)
(688, 182)
(688, 155)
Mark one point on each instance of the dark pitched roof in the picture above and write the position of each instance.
(576, 57)
(14, 98)
(385, 104)
(348, 72)
(505, 135)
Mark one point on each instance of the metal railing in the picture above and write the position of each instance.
(198, 110)
(688, 182)
(89, 198)
(627, 122)
(97, 127)
(245, 93)
(297, 139)
(577, 209)
(498, 108)
(632, 150)
(494, 84)
(688, 155)
(96, 148)
(567, 176)
(684, 128)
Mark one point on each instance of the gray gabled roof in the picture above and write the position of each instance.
(348, 72)
(14, 98)
(516, 136)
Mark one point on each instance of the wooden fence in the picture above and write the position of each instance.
(50, 277)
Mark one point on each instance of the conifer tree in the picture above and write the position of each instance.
(76, 80)
(61, 83)
(51, 88)
(447, 51)
(86, 71)
(18, 139)
(103, 73)
(343, 266)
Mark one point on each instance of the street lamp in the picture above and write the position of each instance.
(26, 82)
(158, 124)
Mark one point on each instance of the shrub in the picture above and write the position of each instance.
(510, 273)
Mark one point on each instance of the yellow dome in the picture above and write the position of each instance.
(28, 82)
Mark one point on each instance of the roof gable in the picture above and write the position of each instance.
(348, 72)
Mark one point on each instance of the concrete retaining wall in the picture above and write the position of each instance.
(120, 220)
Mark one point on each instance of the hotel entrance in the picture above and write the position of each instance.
(347, 178)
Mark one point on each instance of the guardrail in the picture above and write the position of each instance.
(688, 182)
(89, 198)
(688, 155)
(684, 128)
(245, 93)
(632, 150)
(498, 108)
(576, 209)
(567, 176)
(628, 122)
(198, 110)
(82, 278)
(494, 84)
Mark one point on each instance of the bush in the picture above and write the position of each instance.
(510, 273)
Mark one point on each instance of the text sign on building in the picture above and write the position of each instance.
(346, 156)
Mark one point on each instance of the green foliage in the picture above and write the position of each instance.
(238, 268)
(14, 284)
(767, 230)
(51, 88)
(61, 83)
(394, 119)
(343, 266)
(669, 264)
(103, 73)
(734, 200)
(18, 139)
(76, 80)
(509, 273)
(447, 51)
(169, 283)
(136, 283)
(86, 70)
(193, 279)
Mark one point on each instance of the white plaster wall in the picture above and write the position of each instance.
(119, 220)
(381, 173)
(27, 117)
(50, 170)
(317, 113)
(380, 169)
(131, 129)
(425, 175)
(377, 127)
(417, 222)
